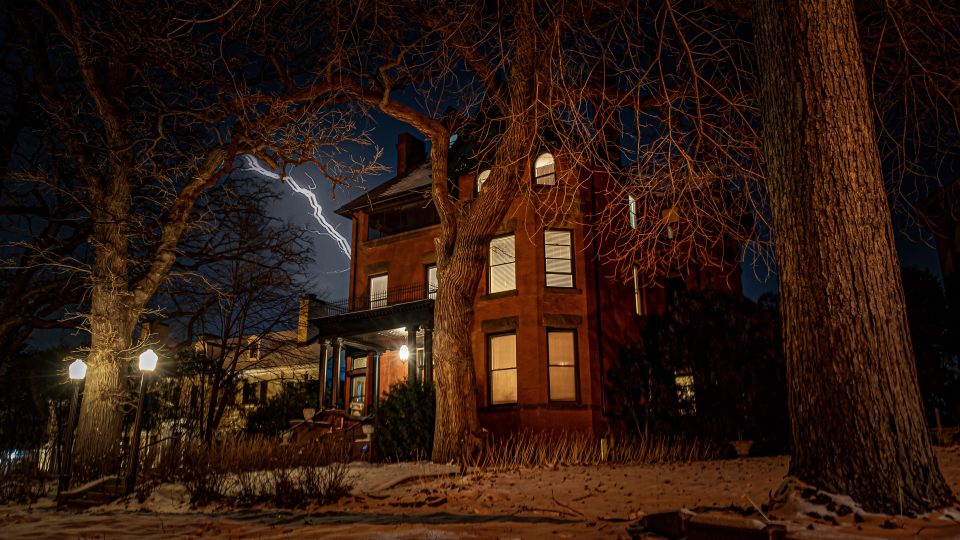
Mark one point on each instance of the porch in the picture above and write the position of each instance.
(368, 344)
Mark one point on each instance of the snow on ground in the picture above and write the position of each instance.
(423, 500)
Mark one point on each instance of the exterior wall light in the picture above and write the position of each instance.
(404, 353)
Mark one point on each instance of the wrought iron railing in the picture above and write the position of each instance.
(392, 296)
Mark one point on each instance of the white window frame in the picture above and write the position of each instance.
(545, 170)
(512, 264)
(546, 258)
(378, 297)
(432, 281)
(491, 371)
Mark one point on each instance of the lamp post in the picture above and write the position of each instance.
(148, 362)
(77, 371)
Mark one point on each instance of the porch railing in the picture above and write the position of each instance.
(392, 296)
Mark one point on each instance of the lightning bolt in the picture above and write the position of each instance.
(342, 243)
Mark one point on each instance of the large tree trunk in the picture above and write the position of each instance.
(112, 321)
(457, 423)
(854, 403)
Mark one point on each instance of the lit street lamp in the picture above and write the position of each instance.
(148, 362)
(77, 371)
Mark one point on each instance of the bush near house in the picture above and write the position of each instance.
(404, 422)
(273, 417)
(711, 366)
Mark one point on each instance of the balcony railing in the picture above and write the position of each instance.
(392, 296)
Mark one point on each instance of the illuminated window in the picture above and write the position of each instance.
(503, 368)
(558, 255)
(685, 393)
(432, 282)
(632, 211)
(503, 264)
(638, 295)
(544, 173)
(481, 178)
(562, 365)
(378, 291)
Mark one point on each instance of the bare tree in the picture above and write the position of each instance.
(239, 276)
(151, 108)
(566, 76)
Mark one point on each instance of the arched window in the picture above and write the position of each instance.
(544, 173)
(481, 178)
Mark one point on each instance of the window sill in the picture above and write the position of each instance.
(502, 294)
(563, 290)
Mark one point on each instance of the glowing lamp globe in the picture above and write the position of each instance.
(404, 353)
(78, 370)
(148, 360)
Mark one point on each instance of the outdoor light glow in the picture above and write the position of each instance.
(148, 360)
(342, 243)
(78, 370)
(404, 353)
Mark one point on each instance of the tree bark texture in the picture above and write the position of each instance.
(856, 415)
(112, 320)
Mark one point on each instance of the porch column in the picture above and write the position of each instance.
(412, 347)
(428, 354)
(373, 371)
(324, 357)
(337, 385)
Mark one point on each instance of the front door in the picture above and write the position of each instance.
(358, 389)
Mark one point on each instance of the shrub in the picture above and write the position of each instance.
(274, 416)
(403, 424)
(260, 470)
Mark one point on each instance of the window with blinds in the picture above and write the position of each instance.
(544, 172)
(558, 253)
(503, 264)
(503, 368)
(432, 282)
(632, 211)
(378, 291)
(562, 365)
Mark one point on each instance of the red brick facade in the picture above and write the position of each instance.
(599, 310)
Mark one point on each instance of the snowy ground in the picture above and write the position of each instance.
(421, 500)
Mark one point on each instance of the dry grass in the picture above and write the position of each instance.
(256, 470)
(555, 448)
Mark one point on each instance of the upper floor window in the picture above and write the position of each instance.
(544, 172)
(638, 293)
(558, 254)
(378, 291)
(503, 264)
(503, 368)
(632, 211)
(481, 178)
(432, 282)
(562, 365)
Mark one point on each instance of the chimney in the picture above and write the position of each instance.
(410, 151)
(308, 305)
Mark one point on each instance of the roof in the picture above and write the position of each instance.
(415, 184)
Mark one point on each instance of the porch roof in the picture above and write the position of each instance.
(371, 321)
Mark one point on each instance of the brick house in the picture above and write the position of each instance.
(548, 318)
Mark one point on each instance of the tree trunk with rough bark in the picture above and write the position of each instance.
(112, 320)
(855, 408)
